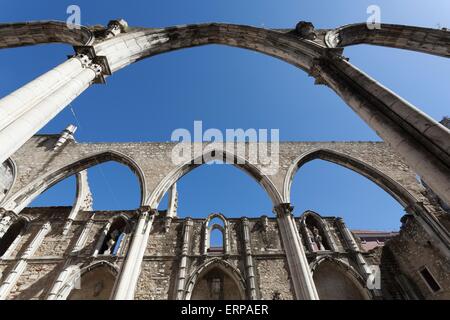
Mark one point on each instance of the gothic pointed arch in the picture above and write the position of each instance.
(216, 279)
(28, 193)
(381, 179)
(224, 155)
(11, 237)
(336, 280)
(316, 232)
(93, 282)
(114, 236)
(209, 227)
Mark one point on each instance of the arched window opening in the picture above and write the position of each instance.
(219, 188)
(334, 283)
(216, 284)
(96, 284)
(335, 191)
(215, 234)
(114, 187)
(11, 235)
(60, 194)
(216, 241)
(317, 238)
(114, 238)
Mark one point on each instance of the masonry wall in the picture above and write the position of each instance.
(160, 269)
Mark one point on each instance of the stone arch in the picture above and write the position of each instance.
(27, 194)
(323, 231)
(39, 32)
(393, 188)
(425, 40)
(97, 272)
(336, 280)
(234, 277)
(8, 173)
(114, 236)
(207, 229)
(10, 239)
(188, 166)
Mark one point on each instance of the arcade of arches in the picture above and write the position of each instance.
(79, 253)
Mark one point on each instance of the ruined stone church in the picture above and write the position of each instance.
(58, 253)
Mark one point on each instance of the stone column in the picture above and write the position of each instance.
(184, 256)
(23, 127)
(172, 207)
(353, 246)
(21, 100)
(249, 260)
(422, 142)
(299, 269)
(131, 268)
(21, 265)
(83, 200)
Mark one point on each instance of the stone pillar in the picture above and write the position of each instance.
(422, 142)
(353, 246)
(24, 126)
(83, 200)
(172, 207)
(21, 265)
(250, 274)
(299, 269)
(23, 99)
(83, 236)
(131, 268)
(184, 256)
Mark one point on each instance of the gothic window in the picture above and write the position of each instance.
(216, 235)
(216, 240)
(313, 227)
(114, 237)
(94, 284)
(333, 282)
(13, 232)
(216, 284)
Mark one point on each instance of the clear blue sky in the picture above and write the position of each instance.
(233, 88)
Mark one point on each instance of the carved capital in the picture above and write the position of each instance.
(283, 209)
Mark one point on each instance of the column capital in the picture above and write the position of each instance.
(283, 209)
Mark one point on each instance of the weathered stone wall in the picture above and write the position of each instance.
(412, 250)
(161, 263)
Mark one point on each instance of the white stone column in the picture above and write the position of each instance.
(21, 265)
(13, 136)
(183, 262)
(20, 101)
(422, 142)
(299, 269)
(127, 281)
